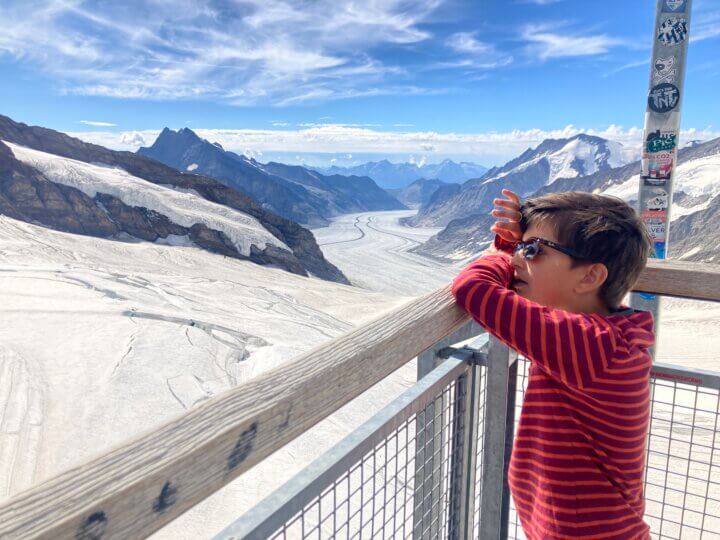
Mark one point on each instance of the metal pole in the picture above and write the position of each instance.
(429, 443)
(662, 131)
(494, 445)
(464, 454)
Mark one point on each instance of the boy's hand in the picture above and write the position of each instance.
(508, 212)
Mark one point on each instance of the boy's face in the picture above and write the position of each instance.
(549, 278)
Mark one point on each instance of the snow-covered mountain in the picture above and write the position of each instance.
(695, 213)
(52, 179)
(399, 175)
(534, 169)
(294, 192)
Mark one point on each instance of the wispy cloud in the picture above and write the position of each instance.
(547, 41)
(473, 54)
(706, 25)
(254, 51)
(337, 138)
(96, 123)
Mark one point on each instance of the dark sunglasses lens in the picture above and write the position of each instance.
(531, 250)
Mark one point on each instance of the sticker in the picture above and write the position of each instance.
(673, 31)
(661, 141)
(658, 165)
(657, 201)
(652, 215)
(659, 250)
(656, 228)
(654, 182)
(664, 70)
(645, 295)
(663, 97)
(674, 6)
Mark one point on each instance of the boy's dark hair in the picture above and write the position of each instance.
(604, 229)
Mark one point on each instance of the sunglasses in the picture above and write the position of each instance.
(531, 248)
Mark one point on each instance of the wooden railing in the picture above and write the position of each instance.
(140, 486)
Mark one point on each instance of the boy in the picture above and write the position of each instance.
(551, 289)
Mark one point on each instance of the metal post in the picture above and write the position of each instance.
(509, 438)
(662, 131)
(464, 455)
(494, 445)
(429, 443)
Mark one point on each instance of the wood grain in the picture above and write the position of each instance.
(684, 279)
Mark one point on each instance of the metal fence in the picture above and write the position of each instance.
(433, 463)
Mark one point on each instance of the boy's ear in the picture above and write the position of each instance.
(595, 275)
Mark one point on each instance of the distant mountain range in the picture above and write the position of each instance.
(534, 169)
(302, 195)
(399, 175)
(49, 178)
(695, 213)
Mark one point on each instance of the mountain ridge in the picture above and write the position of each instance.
(293, 192)
(30, 195)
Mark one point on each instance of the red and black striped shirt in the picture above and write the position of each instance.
(578, 458)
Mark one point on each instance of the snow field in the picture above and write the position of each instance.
(182, 207)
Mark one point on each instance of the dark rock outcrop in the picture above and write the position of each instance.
(27, 195)
(294, 192)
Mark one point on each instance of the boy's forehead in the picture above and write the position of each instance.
(541, 229)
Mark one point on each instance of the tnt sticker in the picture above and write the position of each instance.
(673, 31)
(674, 6)
(661, 141)
(659, 165)
(664, 70)
(663, 97)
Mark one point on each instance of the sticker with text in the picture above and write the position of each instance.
(658, 165)
(663, 97)
(673, 31)
(674, 6)
(661, 141)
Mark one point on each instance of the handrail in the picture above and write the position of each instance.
(140, 486)
(698, 281)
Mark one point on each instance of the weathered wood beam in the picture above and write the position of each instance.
(700, 281)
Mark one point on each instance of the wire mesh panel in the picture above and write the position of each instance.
(514, 527)
(375, 497)
(682, 477)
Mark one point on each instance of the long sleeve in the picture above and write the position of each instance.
(577, 349)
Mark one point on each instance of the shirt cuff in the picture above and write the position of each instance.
(503, 245)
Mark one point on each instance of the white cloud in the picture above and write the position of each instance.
(133, 139)
(473, 54)
(546, 42)
(96, 123)
(246, 52)
(336, 139)
(705, 25)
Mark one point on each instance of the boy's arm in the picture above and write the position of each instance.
(573, 347)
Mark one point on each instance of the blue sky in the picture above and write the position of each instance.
(347, 80)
